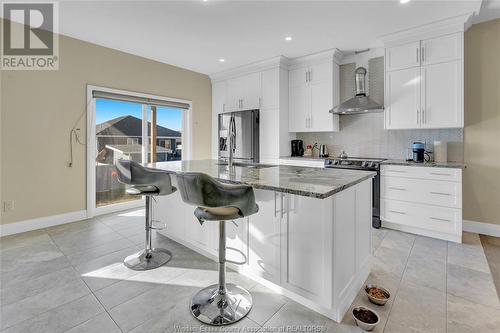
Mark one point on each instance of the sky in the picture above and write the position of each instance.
(109, 109)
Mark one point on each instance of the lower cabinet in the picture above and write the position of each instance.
(422, 200)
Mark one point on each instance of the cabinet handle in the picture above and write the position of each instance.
(309, 76)
(440, 193)
(395, 211)
(440, 174)
(310, 122)
(423, 116)
(260, 102)
(275, 210)
(242, 103)
(417, 55)
(282, 205)
(418, 116)
(422, 54)
(397, 171)
(439, 219)
(224, 107)
(398, 188)
(306, 75)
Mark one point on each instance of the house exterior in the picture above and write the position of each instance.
(122, 138)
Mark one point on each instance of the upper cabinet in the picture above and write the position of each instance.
(243, 93)
(402, 56)
(424, 81)
(313, 92)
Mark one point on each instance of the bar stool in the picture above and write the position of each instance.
(222, 303)
(149, 183)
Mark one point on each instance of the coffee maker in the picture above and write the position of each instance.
(297, 148)
(419, 153)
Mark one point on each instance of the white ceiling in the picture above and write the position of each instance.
(195, 34)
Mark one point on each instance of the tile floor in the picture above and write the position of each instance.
(70, 278)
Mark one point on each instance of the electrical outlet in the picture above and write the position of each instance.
(8, 205)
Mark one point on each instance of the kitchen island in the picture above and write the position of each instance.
(310, 240)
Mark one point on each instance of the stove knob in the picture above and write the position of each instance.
(372, 164)
(364, 164)
(336, 162)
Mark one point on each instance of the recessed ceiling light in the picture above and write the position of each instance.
(222, 60)
(288, 38)
(404, 1)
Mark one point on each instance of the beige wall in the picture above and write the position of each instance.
(40, 107)
(481, 190)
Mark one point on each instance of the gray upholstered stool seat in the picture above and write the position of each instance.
(147, 182)
(222, 303)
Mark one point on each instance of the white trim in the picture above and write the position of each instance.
(41, 222)
(431, 30)
(457, 238)
(91, 144)
(488, 229)
(254, 67)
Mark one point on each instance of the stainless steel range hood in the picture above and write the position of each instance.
(361, 103)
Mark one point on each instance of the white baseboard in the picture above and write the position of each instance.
(41, 222)
(488, 229)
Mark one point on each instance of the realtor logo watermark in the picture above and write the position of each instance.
(30, 36)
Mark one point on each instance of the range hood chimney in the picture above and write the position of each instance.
(361, 103)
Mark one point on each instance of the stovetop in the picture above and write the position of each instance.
(354, 163)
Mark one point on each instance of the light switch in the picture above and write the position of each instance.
(8, 205)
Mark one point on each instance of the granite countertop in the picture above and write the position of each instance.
(305, 181)
(456, 165)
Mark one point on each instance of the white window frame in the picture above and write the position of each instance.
(186, 138)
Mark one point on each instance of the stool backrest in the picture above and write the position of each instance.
(199, 189)
(134, 174)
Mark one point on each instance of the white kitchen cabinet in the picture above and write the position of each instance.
(402, 56)
(313, 91)
(269, 146)
(264, 238)
(402, 89)
(270, 89)
(305, 247)
(218, 101)
(442, 95)
(243, 92)
(441, 49)
(428, 67)
(422, 200)
(303, 162)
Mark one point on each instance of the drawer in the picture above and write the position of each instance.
(440, 219)
(432, 192)
(303, 163)
(432, 173)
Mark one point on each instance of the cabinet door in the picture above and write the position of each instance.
(264, 239)
(299, 108)
(250, 93)
(402, 56)
(306, 250)
(321, 86)
(403, 99)
(234, 93)
(269, 146)
(270, 89)
(173, 218)
(442, 49)
(218, 101)
(442, 95)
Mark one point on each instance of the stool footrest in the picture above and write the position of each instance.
(240, 252)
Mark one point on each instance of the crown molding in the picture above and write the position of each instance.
(426, 31)
(334, 54)
(258, 66)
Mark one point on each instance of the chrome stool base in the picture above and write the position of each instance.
(214, 308)
(144, 260)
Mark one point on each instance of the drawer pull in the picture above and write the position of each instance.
(395, 211)
(440, 193)
(397, 188)
(438, 219)
(398, 171)
(440, 174)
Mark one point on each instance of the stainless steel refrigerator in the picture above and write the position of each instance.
(246, 143)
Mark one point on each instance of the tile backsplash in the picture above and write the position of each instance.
(364, 135)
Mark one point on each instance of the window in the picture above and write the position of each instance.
(132, 141)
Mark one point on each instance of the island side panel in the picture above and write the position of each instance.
(352, 210)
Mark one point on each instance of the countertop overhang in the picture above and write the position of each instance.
(305, 181)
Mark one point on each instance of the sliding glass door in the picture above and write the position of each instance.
(131, 130)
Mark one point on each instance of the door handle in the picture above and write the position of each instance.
(440, 193)
(439, 219)
(397, 188)
(395, 211)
